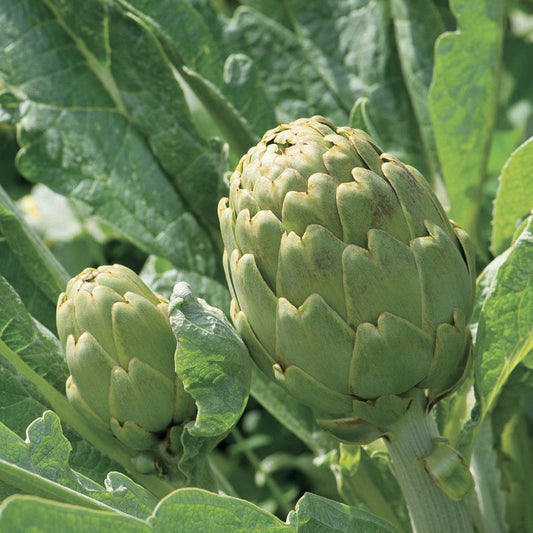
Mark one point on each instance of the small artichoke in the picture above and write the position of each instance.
(120, 348)
(349, 284)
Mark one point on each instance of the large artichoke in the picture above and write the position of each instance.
(120, 352)
(349, 284)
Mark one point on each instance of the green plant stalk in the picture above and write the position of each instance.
(516, 444)
(361, 487)
(68, 415)
(274, 488)
(409, 440)
(488, 498)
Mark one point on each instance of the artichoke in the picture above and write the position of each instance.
(120, 348)
(349, 284)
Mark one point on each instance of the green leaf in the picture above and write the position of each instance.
(417, 24)
(26, 346)
(517, 472)
(39, 466)
(462, 103)
(183, 511)
(504, 329)
(227, 92)
(514, 199)
(510, 426)
(28, 263)
(235, 130)
(184, 33)
(487, 476)
(317, 514)
(214, 365)
(27, 513)
(20, 401)
(95, 127)
(293, 415)
(193, 510)
(283, 70)
(359, 63)
(365, 478)
(34, 355)
(161, 276)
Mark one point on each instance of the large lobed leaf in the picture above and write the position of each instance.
(105, 121)
(514, 199)
(319, 59)
(503, 319)
(64, 500)
(463, 101)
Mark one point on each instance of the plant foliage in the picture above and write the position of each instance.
(119, 122)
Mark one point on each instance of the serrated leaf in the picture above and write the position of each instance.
(514, 199)
(314, 513)
(39, 466)
(462, 103)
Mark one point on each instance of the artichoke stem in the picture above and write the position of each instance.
(431, 510)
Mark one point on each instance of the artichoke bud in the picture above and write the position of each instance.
(349, 284)
(120, 348)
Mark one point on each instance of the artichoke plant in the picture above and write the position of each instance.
(349, 284)
(120, 348)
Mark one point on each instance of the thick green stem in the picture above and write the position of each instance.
(410, 440)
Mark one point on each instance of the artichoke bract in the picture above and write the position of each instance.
(349, 284)
(120, 348)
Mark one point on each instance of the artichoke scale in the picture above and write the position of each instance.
(142, 332)
(93, 313)
(255, 298)
(270, 194)
(369, 202)
(444, 277)
(314, 338)
(389, 358)
(261, 237)
(141, 395)
(314, 206)
(383, 277)
(311, 264)
(90, 367)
